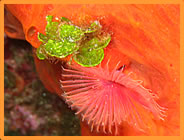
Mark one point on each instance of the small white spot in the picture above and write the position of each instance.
(175, 80)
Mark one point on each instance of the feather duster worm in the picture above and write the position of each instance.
(104, 99)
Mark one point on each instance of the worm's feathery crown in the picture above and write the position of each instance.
(104, 99)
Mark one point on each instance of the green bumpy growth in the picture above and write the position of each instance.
(63, 38)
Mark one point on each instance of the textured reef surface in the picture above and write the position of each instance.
(29, 108)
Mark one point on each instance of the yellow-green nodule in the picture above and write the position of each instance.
(62, 38)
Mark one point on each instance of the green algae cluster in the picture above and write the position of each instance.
(62, 38)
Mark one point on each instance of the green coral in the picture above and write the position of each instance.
(92, 53)
(60, 49)
(89, 58)
(40, 53)
(63, 39)
(71, 33)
